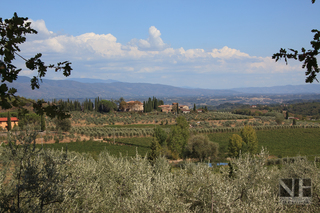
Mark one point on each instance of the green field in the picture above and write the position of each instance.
(125, 146)
(279, 142)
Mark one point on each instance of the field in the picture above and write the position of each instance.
(279, 143)
(123, 147)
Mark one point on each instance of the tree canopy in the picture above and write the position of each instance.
(160, 135)
(178, 137)
(199, 146)
(247, 141)
(250, 140)
(308, 57)
(235, 145)
(13, 33)
(107, 106)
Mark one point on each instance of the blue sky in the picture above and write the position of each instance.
(203, 44)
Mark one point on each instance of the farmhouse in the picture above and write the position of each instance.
(134, 106)
(168, 108)
(165, 108)
(293, 118)
(183, 107)
(4, 122)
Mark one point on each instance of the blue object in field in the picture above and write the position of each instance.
(218, 164)
(222, 164)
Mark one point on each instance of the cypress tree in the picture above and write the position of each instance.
(9, 122)
(177, 108)
(294, 122)
(43, 123)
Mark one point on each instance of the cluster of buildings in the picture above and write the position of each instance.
(131, 106)
(174, 106)
(136, 106)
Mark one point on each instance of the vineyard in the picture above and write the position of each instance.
(281, 142)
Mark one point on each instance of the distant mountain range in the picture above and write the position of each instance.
(91, 88)
(91, 80)
(288, 89)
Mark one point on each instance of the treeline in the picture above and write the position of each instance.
(100, 105)
(151, 104)
(305, 109)
(248, 112)
(297, 109)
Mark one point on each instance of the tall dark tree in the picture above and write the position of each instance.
(151, 104)
(43, 123)
(144, 107)
(155, 151)
(9, 122)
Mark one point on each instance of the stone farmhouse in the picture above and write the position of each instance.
(165, 108)
(168, 108)
(134, 106)
(4, 122)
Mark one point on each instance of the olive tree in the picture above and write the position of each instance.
(63, 124)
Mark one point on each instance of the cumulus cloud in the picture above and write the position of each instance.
(227, 52)
(153, 43)
(102, 55)
(40, 27)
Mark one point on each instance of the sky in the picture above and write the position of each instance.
(207, 44)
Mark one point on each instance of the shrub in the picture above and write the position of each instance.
(63, 124)
(199, 146)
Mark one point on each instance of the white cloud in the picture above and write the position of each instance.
(100, 54)
(227, 52)
(153, 43)
(40, 27)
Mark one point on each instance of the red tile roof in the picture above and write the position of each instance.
(6, 119)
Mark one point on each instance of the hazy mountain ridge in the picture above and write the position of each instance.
(91, 80)
(288, 89)
(72, 88)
